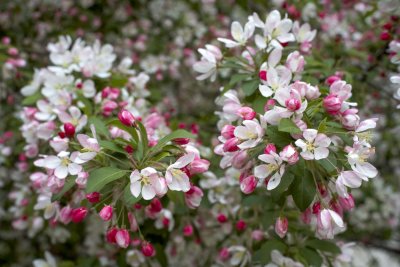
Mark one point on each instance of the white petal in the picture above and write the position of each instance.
(310, 134)
(135, 188)
(321, 153)
(61, 172)
(148, 192)
(274, 181)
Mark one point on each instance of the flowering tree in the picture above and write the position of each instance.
(111, 158)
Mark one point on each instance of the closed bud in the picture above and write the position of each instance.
(122, 238)
(270, 148)
(106, 213)
(289, 154)
(347, 203)
(228, 131)
(263, 75)
(193, 197)
(181, 141)
(241, 225)
(270, 104)
(331, 79)
(231, 145)
(293, 104)
(221, 218)
(110, 235)
(69, 129)
(248, 184)
(126, 118)
(78, 214)
(246, 113)
(281, 226)
(188, 230)
(93, 197)
(148, 249)
(332, 104)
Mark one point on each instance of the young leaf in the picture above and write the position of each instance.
(303, 188)
(323, 245)
(100, 126)
(313, 258)
(288, 126)
(111, 146)
(129, 199)
(102, 176)
(250, 87)
(263, 255)
(163, 141)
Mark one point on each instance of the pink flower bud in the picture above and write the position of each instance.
(350, 120)
(269, 148)
(289, 154)
(306, 216)
(110, 236)
(241, 225)
(331, 79)
(148, 249)
(78, 214)
(347, 203)
(332, 104)
(293, 104)
(231, 145)
(263, 75)
(248, 184)
(66, 215)
(198, 166)
(193, 197)
(126, 118)
(239, 159)
(312, 92)
(69, 129)
(257, 235)
(316, 208)
(224, 254)
(270, 104)
(221, 218)
(188, 230)
(122, 238)
(246, 113)
(93, 197)
(335, 206)
(108, 107)
(181, 141)
(385, 36)
(228, 131)
(106, 213)
(281, 226)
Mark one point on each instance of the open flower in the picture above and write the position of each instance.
(274, 165)
(208, 64)
(147, 182)
(327, 222)
(176, 178)
(75, 117)
(250, 134)
(62, 164)
(276, 31)
(357, 158)
(315, 146)
(239, 35)
(90, 145)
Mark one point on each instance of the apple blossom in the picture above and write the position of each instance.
(315, 145)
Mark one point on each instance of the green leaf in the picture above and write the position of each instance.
(323, 245)
(268, 218)
(288, 126)
(144, 142)
(100, 126)
(286, 181)
(69, 183)
(236, 78)
(102, 176)
(32, 99)
(250, 87)
(163, 141)
(280, 139)
(130, 199)
(311, 256)
(88, 108)
(263, 255)
(111, 146)
(329, 164)
(303, 188)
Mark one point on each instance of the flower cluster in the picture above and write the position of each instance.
(102, 147)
